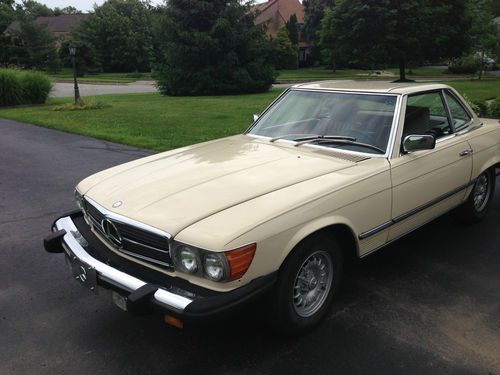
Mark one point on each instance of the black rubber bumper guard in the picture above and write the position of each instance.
(141, 300)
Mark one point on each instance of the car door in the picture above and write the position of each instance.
(427, 183)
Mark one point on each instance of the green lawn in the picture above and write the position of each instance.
(150, 120)
(161, 123)
(67, 75)
(322, 73)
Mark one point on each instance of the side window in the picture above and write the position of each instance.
(458, 113)
(426, 114)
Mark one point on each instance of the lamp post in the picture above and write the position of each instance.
(72, 53)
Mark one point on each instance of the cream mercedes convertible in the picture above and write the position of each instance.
(328, 171)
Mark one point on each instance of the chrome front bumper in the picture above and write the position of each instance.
(74, 244)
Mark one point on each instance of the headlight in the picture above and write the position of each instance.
(186, 259)
(215, 266)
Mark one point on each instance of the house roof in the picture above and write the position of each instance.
(64, 23)
(275, 13)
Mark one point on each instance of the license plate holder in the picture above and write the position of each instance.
(84, 274)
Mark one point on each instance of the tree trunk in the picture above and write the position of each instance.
(402, 71)
(481, 66)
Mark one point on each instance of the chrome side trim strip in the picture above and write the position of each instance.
(116, 277)
(375, 230)
(415, 211)
(399, 237)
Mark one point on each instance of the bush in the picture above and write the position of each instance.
(23, 87)
(212, 49)
(11, 89)
(92, 103)
(36, 87)
(463, 65)
(495, 108)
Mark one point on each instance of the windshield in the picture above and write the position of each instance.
(332, 119)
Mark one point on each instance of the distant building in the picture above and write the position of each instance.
(60, 26)
(274, 14)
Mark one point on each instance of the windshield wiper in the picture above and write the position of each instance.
(323, 137)
(341, 141)
(289, 135)
(312, 137)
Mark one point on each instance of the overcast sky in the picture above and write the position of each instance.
(86, 5)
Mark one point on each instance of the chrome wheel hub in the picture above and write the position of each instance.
(481, 192)
(312, 283)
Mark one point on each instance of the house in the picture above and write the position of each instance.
(60, 26)
(274, 14)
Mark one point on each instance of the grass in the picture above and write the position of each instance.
(66, 74)
(161, 123)
(303, 74)
(322, 73)
(150, 120)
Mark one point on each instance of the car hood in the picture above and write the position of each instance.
(173, 190)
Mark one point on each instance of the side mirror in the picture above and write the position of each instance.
(255, 117)
(418, 142)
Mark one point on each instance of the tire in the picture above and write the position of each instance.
(307, 282)
(479, 201)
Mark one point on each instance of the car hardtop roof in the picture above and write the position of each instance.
(371, 86)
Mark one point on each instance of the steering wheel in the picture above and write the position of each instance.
(362, 136)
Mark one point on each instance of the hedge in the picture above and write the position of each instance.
(23, 87)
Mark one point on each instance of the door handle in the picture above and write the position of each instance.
(466, 152)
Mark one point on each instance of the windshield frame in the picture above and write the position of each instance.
(392, 134)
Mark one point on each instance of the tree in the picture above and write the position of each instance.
(395, 31)
(212, 47)
(66, 10)
(86, 59)
(485, 33)
(7, 15)
(284, 53)
(495, 8)
(30, 10)
(120, 33)
(33, 46)
(293, 30)
(314, 11)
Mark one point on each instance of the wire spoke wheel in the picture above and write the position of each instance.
(481, 192)
(312, 283)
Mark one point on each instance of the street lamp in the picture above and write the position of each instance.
(72, 53)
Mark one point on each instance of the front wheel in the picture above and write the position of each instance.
(307, 282)
(479, 201)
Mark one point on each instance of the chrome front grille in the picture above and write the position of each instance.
(130, 237)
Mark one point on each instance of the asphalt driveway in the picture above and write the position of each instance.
(428, 303)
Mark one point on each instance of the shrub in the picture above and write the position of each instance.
(213, 48)
(495, 108)
(463, 65)
(23, 87)
(92, 103)
(11, 89)
(36, 87)
(481, 108)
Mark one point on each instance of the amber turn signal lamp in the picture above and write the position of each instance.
(173, 321)
(239, 260)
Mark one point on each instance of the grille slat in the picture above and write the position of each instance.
(136, 241)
